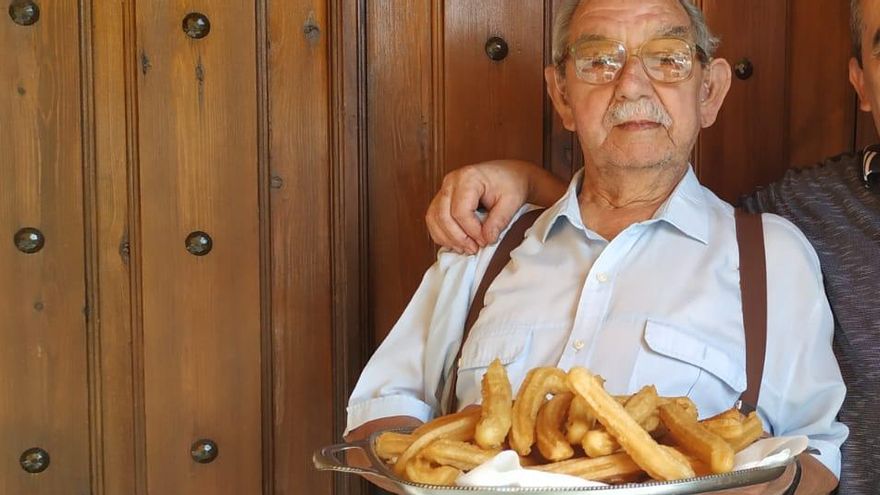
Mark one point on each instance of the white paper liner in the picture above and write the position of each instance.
(504, 469)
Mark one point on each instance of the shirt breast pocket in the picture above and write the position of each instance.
(683, 362)
(510, 344)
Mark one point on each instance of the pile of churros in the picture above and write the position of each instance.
(567, 423)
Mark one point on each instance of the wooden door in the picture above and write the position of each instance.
(167, 314)
(301, 141)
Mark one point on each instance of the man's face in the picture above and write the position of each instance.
(639, 140)
(866, 79)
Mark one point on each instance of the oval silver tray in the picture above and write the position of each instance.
(327, 459)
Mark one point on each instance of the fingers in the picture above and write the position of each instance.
(465, 198)
(500, 214)
(444, 229)
(452, 219)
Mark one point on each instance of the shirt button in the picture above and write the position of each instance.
(602, 278)
(578, 345)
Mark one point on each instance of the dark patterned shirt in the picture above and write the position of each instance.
(840, 215)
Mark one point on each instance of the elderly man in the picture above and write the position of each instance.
(633, 273)
(836, 204)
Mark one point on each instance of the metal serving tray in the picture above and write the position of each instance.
(327, 459)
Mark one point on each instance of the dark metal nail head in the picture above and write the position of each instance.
(744, 69)
(196, 25)
(204, 451)
(199, 243)
(29, 240)
(35, 460)
(24, 12)
(497, 49)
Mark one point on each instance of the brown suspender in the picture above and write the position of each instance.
(753, 285)
(499, 260)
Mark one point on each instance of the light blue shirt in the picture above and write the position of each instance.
(659, 304)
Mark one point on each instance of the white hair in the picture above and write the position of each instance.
(703, 37)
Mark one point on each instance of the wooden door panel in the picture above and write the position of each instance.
(301, 296)
(43, 346)
(746, 146)
(119, 454)
(404, 170)
(493, 109)
(821, 112)
(201, 314)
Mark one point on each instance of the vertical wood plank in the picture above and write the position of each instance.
(746, 147)
(43, 342)
(821, 113)
(197, 103)
(301, 244)
(118, 451)
(493, 109)
(400, 147)
(351, 338)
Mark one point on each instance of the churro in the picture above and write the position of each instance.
(548, 429)
(390, 445)
(460, 455)
(419, 470)
(640, 407)
(538, 384)
(459, 426)
(753, 428)
(495, 419)
(580, 420)
(643, 450)
(727, 425)
(696, 439)
(616, 468)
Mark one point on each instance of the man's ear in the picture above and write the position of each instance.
(713, 90)
(556, 89)
(857, 78)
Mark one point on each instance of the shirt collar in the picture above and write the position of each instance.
(685, 209)
(871, 164)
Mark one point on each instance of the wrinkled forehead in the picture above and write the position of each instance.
(630, 21)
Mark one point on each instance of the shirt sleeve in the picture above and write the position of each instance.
(802, 389)
(400, 378)
(405, 374)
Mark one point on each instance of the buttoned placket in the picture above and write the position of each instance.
(596, 295)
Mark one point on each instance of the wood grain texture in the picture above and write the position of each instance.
(197, 104)
(821, 112)
(493, 109)
(43, 333)
(112, 79)
(352, 341)
(301, 243)
(746, 147)
(401, 174)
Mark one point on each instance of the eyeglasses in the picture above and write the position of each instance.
(665, 60)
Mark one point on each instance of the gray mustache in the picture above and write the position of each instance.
(641, 110)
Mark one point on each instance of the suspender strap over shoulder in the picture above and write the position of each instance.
(500, 258)
(753, 284)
